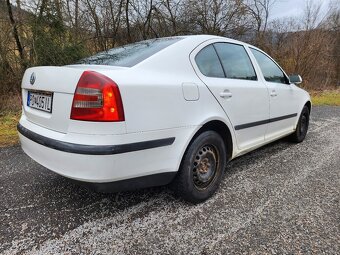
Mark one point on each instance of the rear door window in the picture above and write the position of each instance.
(235, 61)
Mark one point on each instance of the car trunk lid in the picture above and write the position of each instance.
(47, 94)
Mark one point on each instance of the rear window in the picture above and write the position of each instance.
(130, 54)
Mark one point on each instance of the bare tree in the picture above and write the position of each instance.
(127, 20)
(15, 33)
(260, 10)
(92, 7)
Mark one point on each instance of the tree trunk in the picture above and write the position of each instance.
(16, 34)
(127, 21)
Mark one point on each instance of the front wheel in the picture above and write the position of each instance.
(202, 168)
(302, 126)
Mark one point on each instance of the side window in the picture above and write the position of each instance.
(271, 72)
(235, 61)
(208, 62)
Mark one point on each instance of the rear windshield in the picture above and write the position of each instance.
(131, 54)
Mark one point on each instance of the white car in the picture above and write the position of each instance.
(168, 110)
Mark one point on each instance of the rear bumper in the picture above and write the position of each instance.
(93, 149)
(131, 184)
(108, 162)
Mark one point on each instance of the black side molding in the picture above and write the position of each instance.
(141, 182)
(261, 122)
(93, 149)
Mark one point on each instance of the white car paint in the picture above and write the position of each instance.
(163, 96)
(249, 101)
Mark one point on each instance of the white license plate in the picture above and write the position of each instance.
(40, 100)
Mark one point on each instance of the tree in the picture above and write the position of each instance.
(16, 33)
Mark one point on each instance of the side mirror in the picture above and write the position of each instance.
(295, 78)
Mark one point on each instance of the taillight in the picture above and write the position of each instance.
(97, 98)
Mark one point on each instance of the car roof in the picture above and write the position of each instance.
(205, 37)
(208, 37)
(179, 51)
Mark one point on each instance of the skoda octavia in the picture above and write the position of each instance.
(168, 110)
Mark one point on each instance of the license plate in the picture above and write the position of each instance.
(40, 100)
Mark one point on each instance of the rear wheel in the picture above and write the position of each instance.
(202, 168)
(302, 126)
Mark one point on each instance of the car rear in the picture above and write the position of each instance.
(73, 123)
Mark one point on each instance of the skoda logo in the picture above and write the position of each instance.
(32, 79)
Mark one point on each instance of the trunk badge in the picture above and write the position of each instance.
(32, 79)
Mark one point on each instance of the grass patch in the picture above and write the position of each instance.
(8, 130)
(10, 110)
(328, 97)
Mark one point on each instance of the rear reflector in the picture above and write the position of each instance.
(97, 98)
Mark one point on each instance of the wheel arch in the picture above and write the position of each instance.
(222, 129)
(309, 105)
(219, 127)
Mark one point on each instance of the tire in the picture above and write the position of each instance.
(202, 168)
(302, 127)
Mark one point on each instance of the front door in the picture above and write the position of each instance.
(283, 100)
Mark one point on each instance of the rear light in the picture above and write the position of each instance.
(97, 98)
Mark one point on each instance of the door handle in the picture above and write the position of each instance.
(226, 94)
(273, 93)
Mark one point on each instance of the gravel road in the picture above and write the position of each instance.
(280, 199)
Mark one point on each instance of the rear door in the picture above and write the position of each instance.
(283, 100)
(228, 72)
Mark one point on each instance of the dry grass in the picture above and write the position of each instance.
(327, 97)
(9, 102)
(8, 131)
(10, 109)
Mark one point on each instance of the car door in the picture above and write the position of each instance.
(283, 99)
(228, 72)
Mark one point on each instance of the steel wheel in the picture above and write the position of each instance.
(205, 166)
(201, 168)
